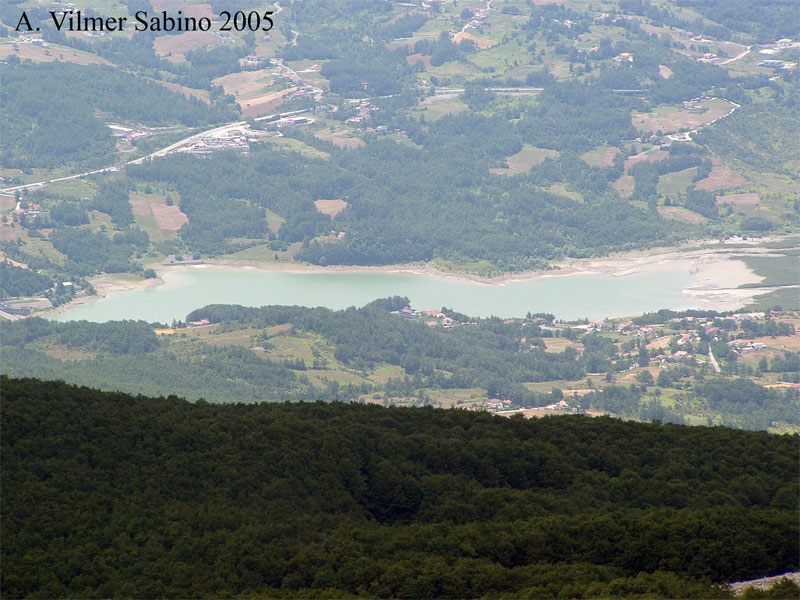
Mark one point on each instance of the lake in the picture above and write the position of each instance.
(567, 297)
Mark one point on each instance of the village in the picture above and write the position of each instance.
(644, 351)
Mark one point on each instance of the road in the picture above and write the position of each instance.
(216, 131)
(742, 55)
(713, 360)
(498, 90)
(465, 27)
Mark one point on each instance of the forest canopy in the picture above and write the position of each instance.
(180, 499)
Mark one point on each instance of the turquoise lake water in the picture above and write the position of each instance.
(567, 297)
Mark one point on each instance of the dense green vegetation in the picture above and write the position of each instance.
(15, 281)
(107, 495)
(778, 127)
(511, 222)
(49, 114)
(295, 353)
(779, 20)
(421, 180)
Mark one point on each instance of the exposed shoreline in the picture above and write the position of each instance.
(716, 275)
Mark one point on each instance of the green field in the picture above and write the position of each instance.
(673, 184)
(777, 270)
(522, 161)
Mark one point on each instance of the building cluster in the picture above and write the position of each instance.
(411, 313)
(743, 346)
(290, 122)
(238, 140)
(479, 17)
(233, 140)
(126, 134)
(496, 404)
(363, 112)
(777, 64)
(31, 209)
(36, 41)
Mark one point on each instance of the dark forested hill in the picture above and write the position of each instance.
(110, 495)
(50, 111)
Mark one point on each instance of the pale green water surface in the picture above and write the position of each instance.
(568, 297)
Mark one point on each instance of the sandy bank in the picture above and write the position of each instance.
(105, 285)
(716, 274)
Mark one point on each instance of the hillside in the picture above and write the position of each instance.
(107, 494)
(491, 137)
(656, 368)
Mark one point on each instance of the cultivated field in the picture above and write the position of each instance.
(7, 203)
(679, 213)
(602, 156)
(251, 91)
(161, 222)
(342, 138)
(8, 232)
(283, 144)
(437, 107)
(739, 199)
(50, 54)
(624, 186)
(721, 178)
(561, 190)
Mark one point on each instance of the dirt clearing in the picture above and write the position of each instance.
(668, 120)
(679, 213)
(330, 207)
(341, 138)
(649, 155)
(413, 59)
(173, 47)
(168, 218)
(737, 199)
(608, 156)
(187, 91)
(481, 42)
(156, 218)
(246, 84)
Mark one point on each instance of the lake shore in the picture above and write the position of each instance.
(716, 274)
